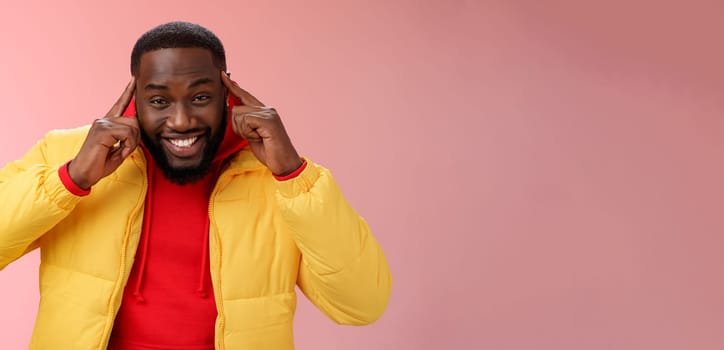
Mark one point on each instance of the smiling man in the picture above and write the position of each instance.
(185, 217)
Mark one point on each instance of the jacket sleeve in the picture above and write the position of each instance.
(32, 200)
(343, 270)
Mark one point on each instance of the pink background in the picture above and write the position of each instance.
(541, 174)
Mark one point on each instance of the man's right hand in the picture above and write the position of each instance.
(110, 140)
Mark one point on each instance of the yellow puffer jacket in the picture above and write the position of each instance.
(266, 236)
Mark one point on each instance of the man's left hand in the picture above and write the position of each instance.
(262, 127)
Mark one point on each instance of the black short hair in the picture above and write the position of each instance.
(178, 35)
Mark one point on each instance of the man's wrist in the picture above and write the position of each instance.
(292, 174)
(69, 183)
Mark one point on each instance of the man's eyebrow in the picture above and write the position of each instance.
(155, 87)
(201, 81)
(193, 84)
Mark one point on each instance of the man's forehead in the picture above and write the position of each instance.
(191, 63)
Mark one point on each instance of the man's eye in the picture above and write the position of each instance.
(201, 98)
(158, 101)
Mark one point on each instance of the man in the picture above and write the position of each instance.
(185, 217)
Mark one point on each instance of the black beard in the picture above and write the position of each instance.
(182, 176)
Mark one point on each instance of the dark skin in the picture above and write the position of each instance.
(180, 96)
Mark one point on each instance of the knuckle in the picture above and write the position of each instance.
(100, 123)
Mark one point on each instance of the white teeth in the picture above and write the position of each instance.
(183, 142)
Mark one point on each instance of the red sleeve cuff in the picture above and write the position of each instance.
(68, 182)
(294, 174)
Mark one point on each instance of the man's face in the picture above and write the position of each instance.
(180, 103)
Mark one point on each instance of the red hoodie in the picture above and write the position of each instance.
(168, 302)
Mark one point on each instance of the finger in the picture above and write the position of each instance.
(130, 143)
(130, 123)
(245, 97)
(243, 130)
(234, 125)
(118, 134)
(257, 125)
(259, 119)
(124, 100)
(267, 113)
(239, 112)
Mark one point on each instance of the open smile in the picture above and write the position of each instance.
(184, 147)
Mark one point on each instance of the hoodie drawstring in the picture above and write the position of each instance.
(146, 238)
(204, 262)
(146, 235)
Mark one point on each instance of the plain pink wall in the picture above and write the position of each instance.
(541, 174)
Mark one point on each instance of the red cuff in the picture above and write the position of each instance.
(68, 182)
(294, 173)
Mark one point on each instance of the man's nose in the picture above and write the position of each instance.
(180, 118)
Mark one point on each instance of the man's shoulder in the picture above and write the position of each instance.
(60, 145)
(67, 134)
(245, 161)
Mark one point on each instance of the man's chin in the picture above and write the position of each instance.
(185, 175)
(182, 171)
(176, 164)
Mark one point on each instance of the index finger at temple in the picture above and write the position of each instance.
(124, 100)
(236, 90)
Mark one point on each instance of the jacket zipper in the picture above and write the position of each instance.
(218, 299)
(122, 271)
